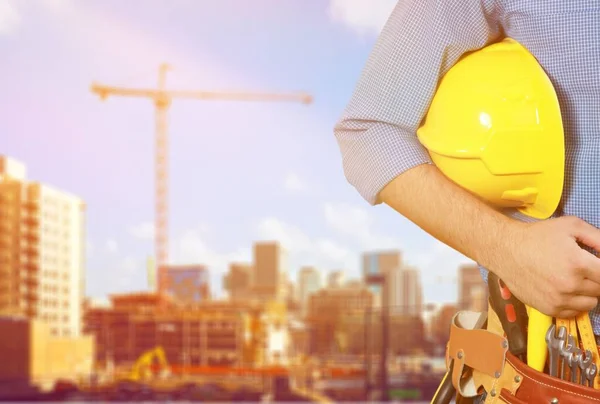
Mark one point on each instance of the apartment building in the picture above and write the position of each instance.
(42, 250)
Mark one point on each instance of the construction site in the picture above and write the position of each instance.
(171, 340)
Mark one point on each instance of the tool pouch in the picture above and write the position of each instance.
(479, 357)
(538, 387)
(482, 363)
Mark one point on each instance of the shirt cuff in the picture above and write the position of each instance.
(374, 157)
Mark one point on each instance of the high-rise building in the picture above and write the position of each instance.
(238, 280)
(185, 283)
(337, 320)
(335, 279)
(377, 264)
(405, 295)
(42, 251)
(470, 286)
(270, 277)
(309, 282)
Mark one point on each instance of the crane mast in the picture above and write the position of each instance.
(162, 99)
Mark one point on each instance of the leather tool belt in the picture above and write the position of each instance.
(483, 365)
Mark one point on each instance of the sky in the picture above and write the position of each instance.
(239, 172)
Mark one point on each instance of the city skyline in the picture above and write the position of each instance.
(292, 188)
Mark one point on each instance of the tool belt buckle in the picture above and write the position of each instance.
(478, 354)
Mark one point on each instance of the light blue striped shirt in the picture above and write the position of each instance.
(424, 38)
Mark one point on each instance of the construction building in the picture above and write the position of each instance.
(42, 251)
(212, 333)
(377, 264)
(405, 295)
(238, 280)
(309, 282)
(187, 284)
(270, 276)
(34, 360)
(336, 318)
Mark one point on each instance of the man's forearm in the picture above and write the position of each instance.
(450, 214)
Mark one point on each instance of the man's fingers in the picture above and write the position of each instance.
(589, 288)
(590, 266)
(587, 234)
(580, 304)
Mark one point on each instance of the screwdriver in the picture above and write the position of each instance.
(512, 314)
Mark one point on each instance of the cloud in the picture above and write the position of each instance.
(10, 19)
(357, 224)
(129, 268)
(323, 253)
(364, 17)
(294, 184)
(111, 246)
(144, 231)
(89, 247)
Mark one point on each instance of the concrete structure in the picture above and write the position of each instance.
(336, 317)
(32, 358)
(405, 291)
(472, 290)
(309, 282)
(270, 276)
(380, 263)
(238, 280)
(185, 283)
(217, 333)
(42, 251)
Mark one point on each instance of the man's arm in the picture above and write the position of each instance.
(542, 262)
(377, 133)
(452, 215)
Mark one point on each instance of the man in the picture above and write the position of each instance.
(540, 261)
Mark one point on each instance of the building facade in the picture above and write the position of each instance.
(185, 283)
(270, 276)
(210, 334)
(42, 251)
(309, 282)
(238, 280)
(378, 264)
(405, 291)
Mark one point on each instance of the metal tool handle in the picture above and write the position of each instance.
(512, 314)
(446, 391)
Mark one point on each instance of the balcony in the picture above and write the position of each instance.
(31, 251)
(32, 205)
(31, 264)
(31, 219)
(31, 281)
(31, 235)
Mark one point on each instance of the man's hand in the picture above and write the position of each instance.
(541, 262)
(544, 266)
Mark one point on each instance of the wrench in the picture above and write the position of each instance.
(562, 340)
(573, 362)
(584, 365)
(553, 349)
(566, 346)
(591, 374)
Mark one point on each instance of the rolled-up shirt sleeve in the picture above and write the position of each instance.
(421, 40)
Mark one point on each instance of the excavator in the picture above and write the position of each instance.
(143, 367)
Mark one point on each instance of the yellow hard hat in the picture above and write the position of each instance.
(494, 127)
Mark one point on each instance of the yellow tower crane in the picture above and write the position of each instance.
(162, 99)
